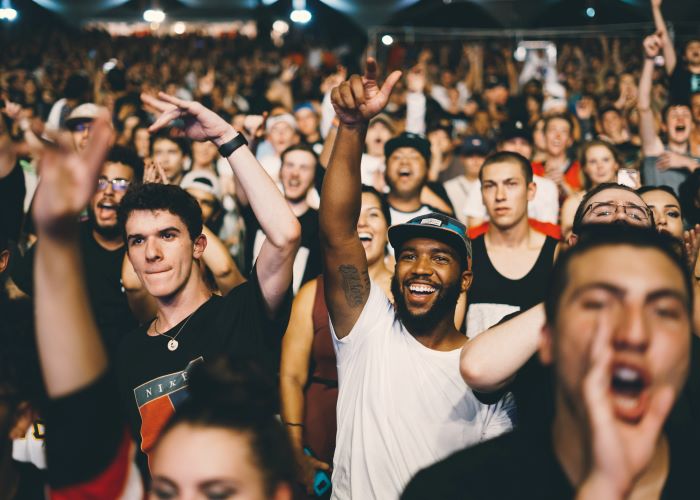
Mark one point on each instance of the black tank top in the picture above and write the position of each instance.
(491, 287)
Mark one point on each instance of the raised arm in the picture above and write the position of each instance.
(491, 360)
(282, 230)
(651, 143)
(71, 352)
(660, 24)
(345, 274)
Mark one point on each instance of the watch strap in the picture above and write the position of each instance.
(227, 148)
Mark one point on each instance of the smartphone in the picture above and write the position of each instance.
(322, 481)
(628, 177)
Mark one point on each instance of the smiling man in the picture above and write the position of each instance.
(163, 230)
(297, 173)
(401, 402)
(617, 338)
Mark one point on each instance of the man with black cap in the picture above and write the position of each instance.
(407, 161)
(402, 404)
(465, 191)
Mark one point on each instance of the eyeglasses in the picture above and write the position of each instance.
(117, 184)
(81, 127)
(605, 211)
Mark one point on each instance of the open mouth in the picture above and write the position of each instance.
(366, 238)
(421, 292)
(405, 173)
(629, 392)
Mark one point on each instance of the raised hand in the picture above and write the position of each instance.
(652, 45)
(69, 179)
(360, 98)
(618, 452)
(199, 122)
(153, 173)
(691, 242)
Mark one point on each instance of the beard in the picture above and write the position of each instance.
(108, 232)
(444, 305)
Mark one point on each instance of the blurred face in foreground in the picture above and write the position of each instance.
(197, 462)
(638, 297)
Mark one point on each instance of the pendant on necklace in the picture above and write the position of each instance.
(172, 345)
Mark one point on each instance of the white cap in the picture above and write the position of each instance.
(204, 180)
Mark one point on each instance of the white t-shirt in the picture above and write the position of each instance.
(401, 406)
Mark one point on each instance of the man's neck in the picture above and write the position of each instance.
(441, 336)
(512, 237)
(173, 309)
(313, 138)
(298, 207)
(110, 244)
(407, 203)
(571, 442)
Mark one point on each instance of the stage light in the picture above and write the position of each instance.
(280, 26)
(520, 53)
(156, 16)
(8, 14)
(590, 12)
(179, 28)
(387, 39)
(300, 16)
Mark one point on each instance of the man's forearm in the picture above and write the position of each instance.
(491, 359)
(71, 352)
(341, 199)
(272, 211)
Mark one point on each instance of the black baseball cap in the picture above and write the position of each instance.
(514, 130)
(435, 226)
(475, 145)
(408, 140)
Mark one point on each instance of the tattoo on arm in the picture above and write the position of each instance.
(355, 285)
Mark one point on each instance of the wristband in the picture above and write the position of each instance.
(293, 424)
(227, 148)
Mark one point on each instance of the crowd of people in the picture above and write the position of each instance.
(236, 270)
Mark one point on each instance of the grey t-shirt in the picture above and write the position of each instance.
(652, 176)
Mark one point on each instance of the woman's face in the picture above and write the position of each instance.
(196, 462)
(372, 228)
(667, 212)
(600, 165)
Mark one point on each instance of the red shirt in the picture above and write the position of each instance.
(572, 176)
(542, 227)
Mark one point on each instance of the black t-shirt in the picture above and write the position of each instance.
(153, 380)
(307, 263)
(12, 192)
(522, 464)
(103, 277)
(533, 390)
(683, 84)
